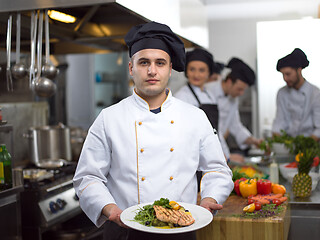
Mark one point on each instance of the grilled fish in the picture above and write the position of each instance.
(173, 216)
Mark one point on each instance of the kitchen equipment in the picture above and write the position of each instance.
(43, 86)
(8, 45)
(33, 37)
(48, 69)
(49, 146)
(18, 70)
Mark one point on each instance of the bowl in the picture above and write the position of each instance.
(314, 175)
(285, 172)
(280, 149)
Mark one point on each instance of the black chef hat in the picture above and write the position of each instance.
(218, 67)
(242, 71)
(296, 59)
(155, 35)
(199, 54)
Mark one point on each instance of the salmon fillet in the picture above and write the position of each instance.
(173, 216)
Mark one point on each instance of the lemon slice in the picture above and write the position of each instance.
(250, 208)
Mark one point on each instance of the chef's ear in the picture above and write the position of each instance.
(130, 67)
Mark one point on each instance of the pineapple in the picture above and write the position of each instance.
(302, 182)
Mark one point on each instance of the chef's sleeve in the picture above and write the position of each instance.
(316, 115)
(90, 176)
(239, 131)
(280, 121)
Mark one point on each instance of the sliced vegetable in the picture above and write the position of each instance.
(250, 208)
(248, 187)
(264, 186)
(174, 205)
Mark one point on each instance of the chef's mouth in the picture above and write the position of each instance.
(152, 81)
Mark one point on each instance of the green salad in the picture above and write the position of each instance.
(147, 216)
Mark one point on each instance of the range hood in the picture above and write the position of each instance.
(100, 26)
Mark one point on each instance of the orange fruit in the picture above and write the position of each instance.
(277, 188)
(249, 208)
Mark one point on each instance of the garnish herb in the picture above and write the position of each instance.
(267, 210)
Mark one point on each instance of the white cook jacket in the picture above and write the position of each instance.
(229, 105)
(205, 97)
(298, 111)
(133, 156)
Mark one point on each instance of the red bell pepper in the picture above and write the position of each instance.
(264, 186)
(236, 185)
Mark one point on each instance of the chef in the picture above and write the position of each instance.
(150, 145)
(217, 71)
(199, 67)
(227, 93)
(298, 103)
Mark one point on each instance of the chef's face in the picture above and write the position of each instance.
(198, 73)
(151, 70)
(291, 76)
(237, 88)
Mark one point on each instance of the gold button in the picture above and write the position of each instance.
(142, 179)
(171, 178)
(140, 123)
(171, 149)
(142, 150)
(172, 122)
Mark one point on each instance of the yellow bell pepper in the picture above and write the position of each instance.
(248, 187)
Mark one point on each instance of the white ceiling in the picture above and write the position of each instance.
(234, 9)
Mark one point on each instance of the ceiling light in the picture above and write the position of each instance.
(60, 16)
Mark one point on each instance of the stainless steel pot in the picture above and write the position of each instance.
(49, 146)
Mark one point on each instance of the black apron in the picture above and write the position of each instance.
(112, 231)
(211, 110)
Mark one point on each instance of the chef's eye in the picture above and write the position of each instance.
(143, 63)
(161, 63)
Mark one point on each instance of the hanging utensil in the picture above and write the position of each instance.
(48, 69)
(8, 72)
(18, 70)
(33, 37)
(43, 86)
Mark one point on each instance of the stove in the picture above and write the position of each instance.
(48, 200)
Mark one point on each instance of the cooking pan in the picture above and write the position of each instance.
(49, 146)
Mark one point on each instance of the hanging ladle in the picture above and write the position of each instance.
(18, 70)
(43, 86)
(48, 69)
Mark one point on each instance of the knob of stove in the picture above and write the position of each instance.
(61, 203)
(53, 207)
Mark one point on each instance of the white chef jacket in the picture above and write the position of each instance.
(228, 109)
(298, 111)
(205, 97)
(133, 156)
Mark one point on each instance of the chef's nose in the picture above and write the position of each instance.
(152, 69)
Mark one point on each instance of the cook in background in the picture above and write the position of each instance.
(298, 103)
(216, 74)
(199, 67)
(227, 93)
(150, 144)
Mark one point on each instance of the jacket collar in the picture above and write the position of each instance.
(143, 104)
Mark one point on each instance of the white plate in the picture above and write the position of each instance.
(201, 216)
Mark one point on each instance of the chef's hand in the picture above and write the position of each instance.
(252, 140)
(112, 212)
(210, 204)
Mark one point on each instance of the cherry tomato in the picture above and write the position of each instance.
(257, 206)
(276, 201)
(250, 200)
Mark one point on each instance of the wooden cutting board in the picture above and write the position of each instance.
(225, 226)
